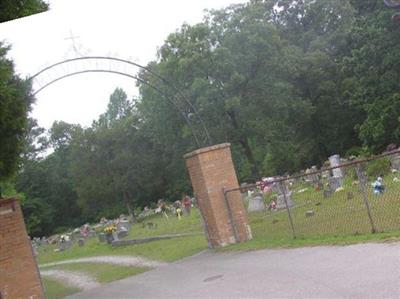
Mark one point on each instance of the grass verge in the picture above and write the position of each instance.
(102, 272)
(287, 242)
(163, 250)
(56, 290)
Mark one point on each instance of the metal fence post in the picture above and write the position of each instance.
(363, 182)
(282, 187)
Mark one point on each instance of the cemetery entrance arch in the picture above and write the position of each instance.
(104, 64)
(210, 167)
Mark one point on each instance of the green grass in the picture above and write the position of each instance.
(337, 219)
(260, 242)
(56, 290)
(163, 250)
(102, 272)
(172, 225)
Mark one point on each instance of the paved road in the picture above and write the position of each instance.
(357, 271)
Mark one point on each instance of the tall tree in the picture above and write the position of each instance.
(10, 10)
(114, 162)
(372, 67)
(15, 101)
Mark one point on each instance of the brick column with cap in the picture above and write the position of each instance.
(211, 171)
(19, 274)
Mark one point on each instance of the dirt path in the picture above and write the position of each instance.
(116, 260)
(72, 278)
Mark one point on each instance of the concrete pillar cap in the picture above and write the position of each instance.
(206, 149)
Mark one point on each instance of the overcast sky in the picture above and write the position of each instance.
(127, 29)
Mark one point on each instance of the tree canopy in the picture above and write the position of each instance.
(15, 93)
(10, 10)
(287, 82)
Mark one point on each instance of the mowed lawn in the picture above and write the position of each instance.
(164, 250)
(341, 218)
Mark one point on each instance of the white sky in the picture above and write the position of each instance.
(127, 29)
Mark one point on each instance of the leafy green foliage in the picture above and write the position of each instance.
(288, 83)
(15, 101)
(10, 10)
(15, 94)
(379, 167)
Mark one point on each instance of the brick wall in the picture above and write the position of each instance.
(211, 170)
(19, 275)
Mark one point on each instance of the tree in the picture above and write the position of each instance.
(232, 67)
(15, 94)
(15, 101)
(373, 75)
(10, 10)
(114, 162)
(50, 200)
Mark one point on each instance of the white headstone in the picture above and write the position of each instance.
(256, 203)
(335, 161)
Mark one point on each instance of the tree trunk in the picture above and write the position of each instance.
(129, 207)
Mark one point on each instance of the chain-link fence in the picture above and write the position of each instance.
(356, 197)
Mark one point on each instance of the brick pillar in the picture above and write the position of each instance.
(211, 170)
(19, 274)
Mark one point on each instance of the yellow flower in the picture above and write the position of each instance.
(110, 229)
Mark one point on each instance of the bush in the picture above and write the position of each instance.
(378, 167)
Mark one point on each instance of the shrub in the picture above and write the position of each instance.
(378, 167)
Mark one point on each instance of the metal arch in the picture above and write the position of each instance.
(163, 80)
(133, 77)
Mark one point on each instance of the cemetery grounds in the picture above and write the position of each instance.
(318, 218)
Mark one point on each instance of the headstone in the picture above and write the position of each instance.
(124, 224)
(313, 177)
(283, 191)
(335, 161)
(81, 242)
(324, 172)
(109, 238)
(395, 161)
(115, 236)
(122, 234)
(102, 238)
(335, 183)
(307, 177)
(256, 203)
(310, 213)
(92, 233)
(53, 239)
(76, 234)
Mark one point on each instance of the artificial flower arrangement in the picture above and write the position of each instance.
(110, 229)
